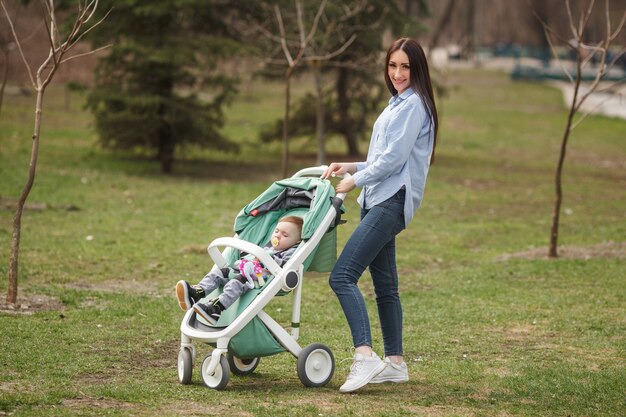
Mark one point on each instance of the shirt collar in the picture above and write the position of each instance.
(397, 99)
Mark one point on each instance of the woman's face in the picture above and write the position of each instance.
(399, 70)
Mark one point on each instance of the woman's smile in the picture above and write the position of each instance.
(399, 71)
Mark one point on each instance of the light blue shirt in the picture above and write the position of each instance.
(399, 154)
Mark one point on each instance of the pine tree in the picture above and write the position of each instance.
(147, 89)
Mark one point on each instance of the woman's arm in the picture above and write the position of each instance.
(401, 135)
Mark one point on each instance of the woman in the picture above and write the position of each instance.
(392, 179)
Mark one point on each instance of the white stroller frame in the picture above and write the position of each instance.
(315, 363)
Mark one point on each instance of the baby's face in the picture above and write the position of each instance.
(285, 235)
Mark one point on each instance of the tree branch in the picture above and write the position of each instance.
(320, 10)
(267, 33)
(570, 18)
(86, 53)
(619, 27)
(283, 36)
(349, 13)
(584, 18)
(87, 31)
(19, 46)
(331, 55)
(546, 31)
(300, 22)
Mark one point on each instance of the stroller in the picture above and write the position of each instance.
(245, 333)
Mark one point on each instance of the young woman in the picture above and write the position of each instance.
(392, 179)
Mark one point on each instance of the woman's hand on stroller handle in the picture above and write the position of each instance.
(342, 169)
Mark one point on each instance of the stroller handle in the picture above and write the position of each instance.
(310, 172)
(317, 172)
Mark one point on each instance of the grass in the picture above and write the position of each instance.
(491, 326)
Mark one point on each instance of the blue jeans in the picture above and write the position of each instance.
(373, 245)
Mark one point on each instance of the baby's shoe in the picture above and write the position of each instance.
(187, 294)
(211, 311)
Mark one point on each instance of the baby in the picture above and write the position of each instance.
(249, 271)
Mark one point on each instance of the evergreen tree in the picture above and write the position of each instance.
(163, 54)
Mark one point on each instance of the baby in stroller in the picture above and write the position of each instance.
(247, 274)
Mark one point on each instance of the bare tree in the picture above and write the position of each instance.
(332, 30)
(60, 46)
(292, 63)
(584, 53)
(293, 60)
(305, 50)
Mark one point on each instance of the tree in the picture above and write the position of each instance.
(159, 88)
(585, 51)
(297, 47)
(60, 47)
(442, 23)
(347, 107)
(293, 62)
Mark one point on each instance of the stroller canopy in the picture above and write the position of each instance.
(309, 198)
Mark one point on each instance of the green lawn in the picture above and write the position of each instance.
(492, 327)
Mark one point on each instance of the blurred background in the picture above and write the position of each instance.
(194, 58)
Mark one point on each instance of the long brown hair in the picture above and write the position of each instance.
(420, 79)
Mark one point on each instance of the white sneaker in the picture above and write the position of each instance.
(392, 373)
(362, 371)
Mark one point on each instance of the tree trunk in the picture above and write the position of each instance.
(167, 146)
(285, 162)
(471, 31)
(319, 116)
(166, 153)
(4, 77)
(554, 231)
(19, 209)
(444, 22)
(343, 108)
(40, 82)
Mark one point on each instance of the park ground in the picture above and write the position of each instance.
(492, 326)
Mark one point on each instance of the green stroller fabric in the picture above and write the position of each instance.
(255, 340)
(258, 228)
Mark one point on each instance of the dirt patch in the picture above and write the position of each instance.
(96, 403)
(600, 250)
(325, 408)
(115, 285)
(441, 410)
(199, 408)
(519, 333)
(194, 249)
(31, 304)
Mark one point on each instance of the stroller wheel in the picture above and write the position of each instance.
(316, 365)
(219, 378)
(242, 366)
(185, 366)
